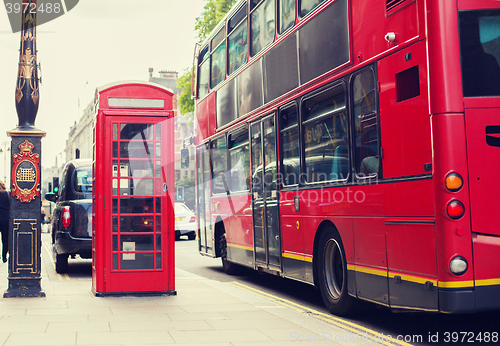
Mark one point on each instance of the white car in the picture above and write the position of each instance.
(185, 221)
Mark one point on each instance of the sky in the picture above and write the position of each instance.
(96, 43)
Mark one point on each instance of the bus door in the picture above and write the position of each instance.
(265, 203)
(203, 186)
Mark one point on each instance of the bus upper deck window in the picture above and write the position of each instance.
(237, 40)
(286, 10)
(218, 68)
(203, 72)
(262, 26)
(203, 78)
(306, 6)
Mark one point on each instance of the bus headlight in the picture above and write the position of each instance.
(458, 265)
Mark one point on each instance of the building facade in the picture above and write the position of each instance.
(79, 142)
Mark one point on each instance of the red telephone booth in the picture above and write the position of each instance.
(133, 236)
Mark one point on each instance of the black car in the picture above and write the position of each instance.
(72, 215)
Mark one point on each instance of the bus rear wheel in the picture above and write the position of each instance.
(332, 274)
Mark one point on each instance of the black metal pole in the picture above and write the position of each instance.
(25, 201)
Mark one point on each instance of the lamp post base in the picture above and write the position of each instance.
(24, 288)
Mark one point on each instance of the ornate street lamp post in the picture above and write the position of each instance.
(25, 201)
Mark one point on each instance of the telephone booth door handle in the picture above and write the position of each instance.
(165, 187)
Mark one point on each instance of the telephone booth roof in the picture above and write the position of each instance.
(140, 90)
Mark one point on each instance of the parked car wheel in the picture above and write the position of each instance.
(61, 263)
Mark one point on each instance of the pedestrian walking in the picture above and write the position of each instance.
(4, 219)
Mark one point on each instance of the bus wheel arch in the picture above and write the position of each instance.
(330, 270)
(230, 268)
(219, 230)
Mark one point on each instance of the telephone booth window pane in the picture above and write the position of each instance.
(158, 168)
(141, 242)
(115, 205)
(158, 242)
(115, 131)
(158, 205)
(134, 224)
(158, 150)
(115, 224)
(158, 132)
(124, 187)
(136, 168)
(136, 150)
(137, 261)
(115, 261)
(136, 131)
(136, 206)
(115, 243)
(115, 149)
(115, 186)
(158, 261)
(115, 168)
(158, 224)
(136, 187)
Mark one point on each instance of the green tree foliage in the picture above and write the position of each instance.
(186, 103)
(213, 12)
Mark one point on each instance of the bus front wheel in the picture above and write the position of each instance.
(229, 267)
(332, 274)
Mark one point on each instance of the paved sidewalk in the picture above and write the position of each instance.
(204, 312)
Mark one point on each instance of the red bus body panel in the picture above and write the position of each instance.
(397, 236)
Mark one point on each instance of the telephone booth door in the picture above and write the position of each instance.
(133, 234)
(138, 205)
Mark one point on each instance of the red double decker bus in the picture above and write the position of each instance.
(353, 145)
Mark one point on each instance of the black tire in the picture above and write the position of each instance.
(229, 267)
(177, 235)
(192, 236)
(332, 274)
(61, 262)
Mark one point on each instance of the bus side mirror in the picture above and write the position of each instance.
(184, 158)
